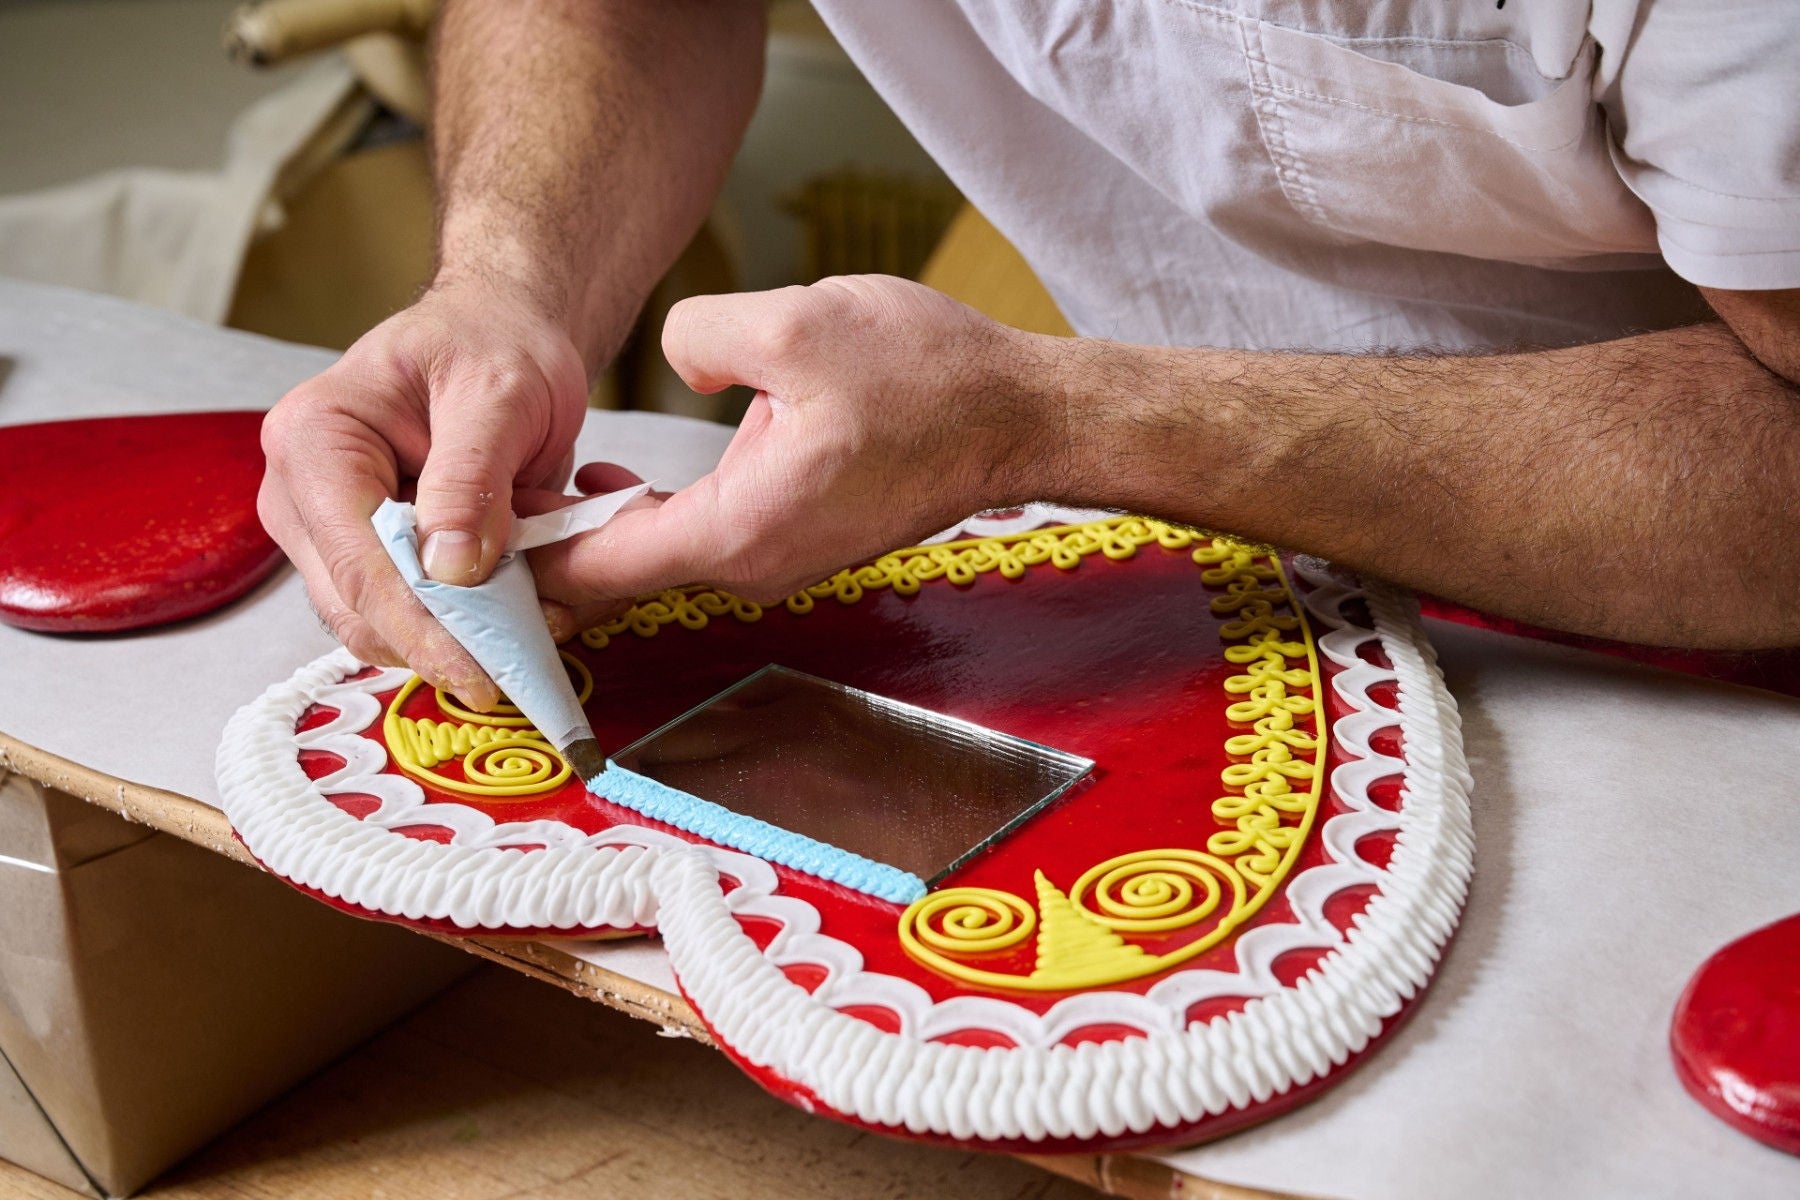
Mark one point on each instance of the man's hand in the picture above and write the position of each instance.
(576, 149)
(1641, 489)
(470, 391)
(885, 412)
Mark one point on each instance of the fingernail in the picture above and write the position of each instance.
(452, 556)
(480, 692)
(471, 694)
(559, 620)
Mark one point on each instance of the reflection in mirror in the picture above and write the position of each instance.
(890, 781)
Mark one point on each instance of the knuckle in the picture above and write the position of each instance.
(676, 327)
(494, 378)
(464, 484)
(746, 571)
(347, 628)
(338, 556)
(272, 512)
(364, 646)
(348, 631)
(845, 296)
(279, 427)
(781, 335)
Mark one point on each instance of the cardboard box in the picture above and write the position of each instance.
(153, 993)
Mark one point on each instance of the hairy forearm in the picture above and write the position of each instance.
(1646, 489)
(578, 145)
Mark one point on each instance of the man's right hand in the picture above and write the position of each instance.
(472, 392)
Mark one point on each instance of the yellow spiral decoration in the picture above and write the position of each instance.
(967, 920)
(500, 758)
(1274, 781)
(1079, 935)
(1154, 891)
(511, 767)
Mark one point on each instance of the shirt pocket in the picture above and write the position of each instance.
(1457, 147)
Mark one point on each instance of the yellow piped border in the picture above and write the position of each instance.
(1079, 935)
(503, 756)
(904, 571)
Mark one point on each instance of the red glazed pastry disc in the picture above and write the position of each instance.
(1736, 1035)
(124, 522)
(1246, 893)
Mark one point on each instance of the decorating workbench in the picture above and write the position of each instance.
(1628, 822)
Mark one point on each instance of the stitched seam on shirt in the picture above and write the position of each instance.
(1290, 168)
(1418, 120)
(1513, 49)
(1662, 232)
(1706, 191)
(1208, 10)
(1290, 173)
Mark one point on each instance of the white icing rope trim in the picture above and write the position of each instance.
(1005, 522)
(1287, 1035)
(1168, 1078)
(576, 881)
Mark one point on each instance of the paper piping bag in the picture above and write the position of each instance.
(500, 623)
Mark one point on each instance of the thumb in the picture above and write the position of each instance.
(465, 485)
(714, 342)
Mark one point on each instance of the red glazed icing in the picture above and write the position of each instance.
(1122, 661)
(124, 522)
(1119, 661)
(1771, 670)
(1736, 1035)
(1026, 656)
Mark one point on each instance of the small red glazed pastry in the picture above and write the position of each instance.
(123, 522)
(1736, 1035)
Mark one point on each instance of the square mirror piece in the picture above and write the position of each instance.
(889, 781)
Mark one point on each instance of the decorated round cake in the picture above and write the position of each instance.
(1063, 831)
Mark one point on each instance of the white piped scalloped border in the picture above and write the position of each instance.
(1172, 1077)
(1176, 1075)
(577, 881)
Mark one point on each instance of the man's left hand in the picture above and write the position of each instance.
(885, 411)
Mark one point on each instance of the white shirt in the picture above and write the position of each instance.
(1414, 174)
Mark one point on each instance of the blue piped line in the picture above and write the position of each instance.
(772, 843)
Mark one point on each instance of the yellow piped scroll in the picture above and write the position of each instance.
(972, 920)
(502, 755)
(514, 768)
(904, 571)
(1153, 891)
(1269, 811)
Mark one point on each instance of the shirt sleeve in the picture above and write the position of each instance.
(1704, 112)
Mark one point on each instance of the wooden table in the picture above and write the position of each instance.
(1627, 822)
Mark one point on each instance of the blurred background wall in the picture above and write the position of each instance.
(283, 186)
